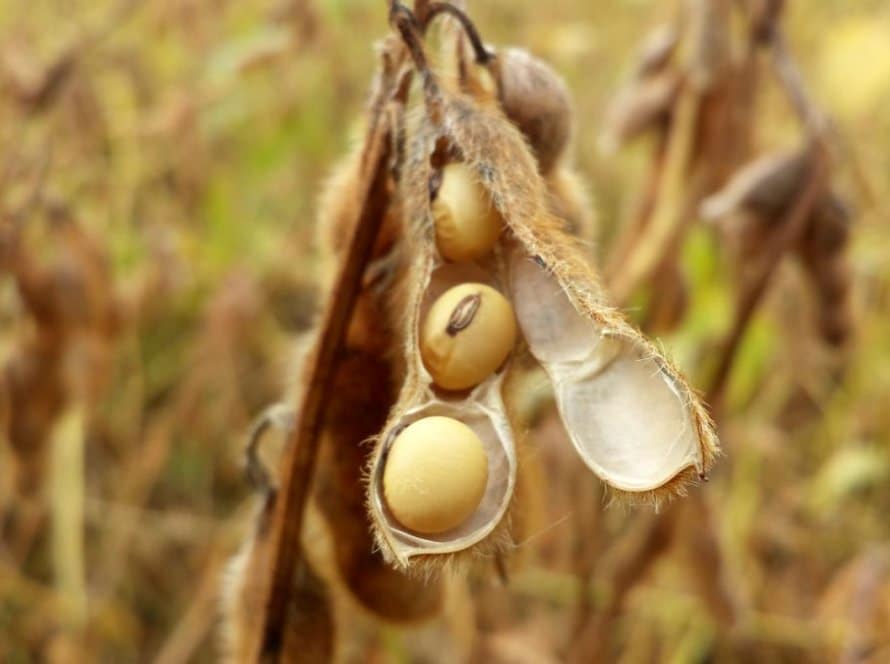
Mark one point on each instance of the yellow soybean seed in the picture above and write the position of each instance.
(467, 223)
(467, 334)
(435, 475)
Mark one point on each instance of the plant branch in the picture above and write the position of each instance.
(789, 231)
(483, 55)
(789, 76)
(651, 539)
(411, 31)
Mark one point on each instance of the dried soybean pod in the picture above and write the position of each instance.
(309, 633)
(643, 104)
(569, 197)
(537, 101)
(629, 413)
(753, 205)
(366, 371)
(657, 49)
(822, 250)
(647, 100)
(487, 529)
(765, 187)
(532, 95)
(361, 411)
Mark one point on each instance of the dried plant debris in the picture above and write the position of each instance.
(765, 187)
(657, 49)
(753, 205)
(62, 357)
(630, 415)
(647, 100)
(536, 99)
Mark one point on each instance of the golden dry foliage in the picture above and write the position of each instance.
(170, 230)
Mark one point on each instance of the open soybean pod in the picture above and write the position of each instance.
(366, 371)
(435, 533)
(629, 413)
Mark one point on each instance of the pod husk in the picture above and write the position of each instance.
(496, 150)
(481, 408)
(475, 131)
(366, 372)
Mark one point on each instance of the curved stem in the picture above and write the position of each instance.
(403, 20)
(277, 416)
(483, 55)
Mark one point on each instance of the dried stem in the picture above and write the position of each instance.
(652, 538)
(625, 243)
(483, 55)
(788, 73)
(660, 231)
(789, 232)
(198, 619)
(411, 31)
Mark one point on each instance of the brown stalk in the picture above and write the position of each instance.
(198, 619)
(627, 241)
(790, 77)
(483, 56)
(788, 234)
(656, 534)
(674, 196)
(651, 539)
(299, 459)
(792, 227)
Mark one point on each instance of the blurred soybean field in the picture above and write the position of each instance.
(160, 163)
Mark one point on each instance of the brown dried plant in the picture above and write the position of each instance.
(556, 293)
(61, 358)
(508, 109)
(777, 205)
(308, 630)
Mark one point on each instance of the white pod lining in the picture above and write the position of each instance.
(485, 416)
(622, 410)
(481, 408)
